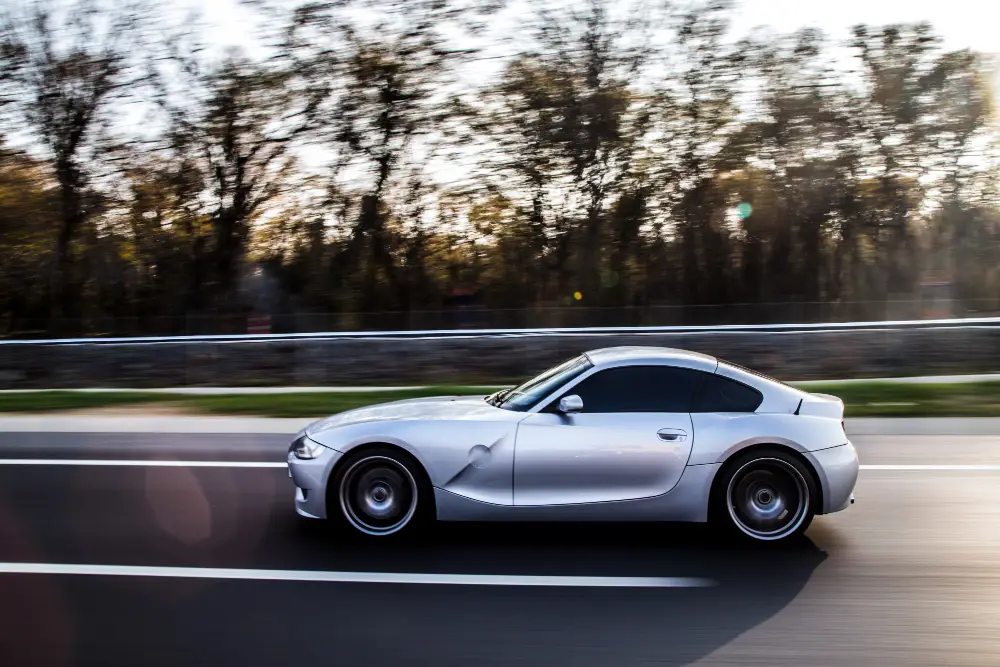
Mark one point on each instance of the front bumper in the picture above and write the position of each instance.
(837, 468)
(310, 477)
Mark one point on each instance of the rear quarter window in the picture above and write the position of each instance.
(720, 394)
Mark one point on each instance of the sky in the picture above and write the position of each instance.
(972, 24)
(961, 23)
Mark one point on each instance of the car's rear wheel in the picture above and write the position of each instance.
(766, 496)
(381, 491)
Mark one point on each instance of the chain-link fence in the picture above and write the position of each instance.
(826, 352)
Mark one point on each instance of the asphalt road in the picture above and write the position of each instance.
(908, 576)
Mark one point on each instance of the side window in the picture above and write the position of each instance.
(636, 389)
(720, 394)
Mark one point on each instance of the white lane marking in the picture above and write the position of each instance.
(931, 467)
(357, 577)
(140, 462)
(197, 425)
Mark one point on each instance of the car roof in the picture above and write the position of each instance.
(638, 354)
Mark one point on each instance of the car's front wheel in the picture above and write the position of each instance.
(766, 495)
(381, 491)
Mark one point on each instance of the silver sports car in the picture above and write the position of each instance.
(617, 434)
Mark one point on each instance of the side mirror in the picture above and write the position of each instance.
(570, 404)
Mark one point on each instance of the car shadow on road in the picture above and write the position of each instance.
(580, 626)
(153, 621)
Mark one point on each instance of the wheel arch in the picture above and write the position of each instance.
(360, 449)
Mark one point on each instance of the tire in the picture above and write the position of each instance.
(380, 492)
(766, 495)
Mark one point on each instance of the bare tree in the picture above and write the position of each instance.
(388, 81)
(235, 125)
(65, 67)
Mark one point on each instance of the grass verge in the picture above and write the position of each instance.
(306, 404)
(900, 399)
(862, 399)
(313, 404)
(50, 401)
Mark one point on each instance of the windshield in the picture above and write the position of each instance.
(525, 396)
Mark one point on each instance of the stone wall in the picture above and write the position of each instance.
(790, 355)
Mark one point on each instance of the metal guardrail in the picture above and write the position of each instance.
(222, 339)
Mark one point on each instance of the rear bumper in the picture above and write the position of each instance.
(837, 468)
(310, 477)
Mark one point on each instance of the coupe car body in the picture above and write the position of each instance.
(619, 434)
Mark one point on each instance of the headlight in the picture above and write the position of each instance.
(304, 448)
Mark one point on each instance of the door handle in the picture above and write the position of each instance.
(671, 434)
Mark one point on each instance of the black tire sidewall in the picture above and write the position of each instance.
(719, 502)
(423, 514)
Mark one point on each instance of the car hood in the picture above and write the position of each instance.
(440, 407)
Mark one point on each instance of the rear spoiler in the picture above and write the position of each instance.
(821, 405)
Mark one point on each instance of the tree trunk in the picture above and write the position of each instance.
(810, 270)
(589, 275)
(63, 301)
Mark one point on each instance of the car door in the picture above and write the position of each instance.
(631, 440)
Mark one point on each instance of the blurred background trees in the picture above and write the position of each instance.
(582, 162)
